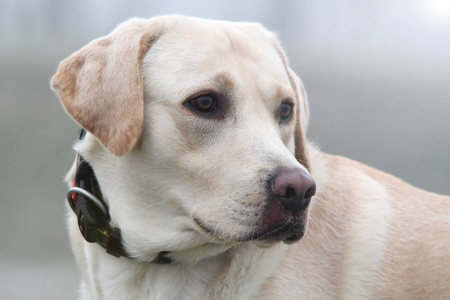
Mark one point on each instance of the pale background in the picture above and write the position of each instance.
(377, 74)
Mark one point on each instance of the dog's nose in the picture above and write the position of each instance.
(293, 188)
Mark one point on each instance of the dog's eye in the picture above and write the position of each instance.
(204, 103)
(285, 111)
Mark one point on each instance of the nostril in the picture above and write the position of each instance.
(307, 196)
(311, 191)
(290, 193)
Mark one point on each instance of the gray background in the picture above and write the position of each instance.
(377, 75)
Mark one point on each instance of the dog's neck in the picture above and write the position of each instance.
(239, 271)
(122, 278)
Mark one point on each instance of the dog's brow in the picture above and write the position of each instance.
(225, 82)
(283, 93)
(220, 83)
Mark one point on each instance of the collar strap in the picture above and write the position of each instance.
(86, 200)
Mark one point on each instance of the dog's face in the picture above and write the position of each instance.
(197, 134)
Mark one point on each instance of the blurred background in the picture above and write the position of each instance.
(377, 75)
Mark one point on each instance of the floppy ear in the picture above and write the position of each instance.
(101, 85)
(302, 113)
(301, 146)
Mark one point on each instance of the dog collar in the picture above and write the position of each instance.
(86, 200)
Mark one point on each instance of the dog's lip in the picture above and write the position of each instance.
(213, 234)
(269, 236)
(288, 232)
(202, 226)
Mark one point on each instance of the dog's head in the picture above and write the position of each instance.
(196, 134)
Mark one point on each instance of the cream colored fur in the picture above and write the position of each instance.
(370, 235)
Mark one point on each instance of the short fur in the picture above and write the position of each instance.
(162, 166)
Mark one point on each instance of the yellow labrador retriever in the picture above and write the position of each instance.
(196, 177)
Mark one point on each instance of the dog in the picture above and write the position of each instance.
(195, 174)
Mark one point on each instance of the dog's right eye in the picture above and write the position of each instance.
(204, 103)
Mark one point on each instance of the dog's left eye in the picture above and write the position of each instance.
(204, 103)
(285, 111)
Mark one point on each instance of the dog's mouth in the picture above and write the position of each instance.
(214, 233)
(203, 226)
(290, 232)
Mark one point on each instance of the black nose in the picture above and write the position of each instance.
(293, 188)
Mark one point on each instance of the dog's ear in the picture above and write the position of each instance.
(301, 146)
(302, 111)
(101, 85)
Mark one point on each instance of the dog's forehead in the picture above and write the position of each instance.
(194, 52)
(210, 36)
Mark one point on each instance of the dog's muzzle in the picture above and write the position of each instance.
(285, 215)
